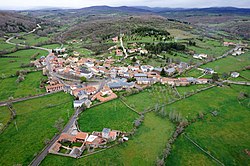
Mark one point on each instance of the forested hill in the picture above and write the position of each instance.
(12, 22)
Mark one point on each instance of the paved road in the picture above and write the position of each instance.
(124, 50)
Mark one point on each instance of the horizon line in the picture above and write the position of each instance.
(20, 8)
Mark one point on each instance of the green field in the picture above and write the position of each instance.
(30, 86)
(230, 63)
(158, 94)
(4, 116)
(9, 66)
(113, 114)
(224, 65)
(51, 46)
(31, 39)
(191, 88)
(225, 136)
(5, 46)
(244, 76)
(210, 47)
(34, 124)
(191, 106)
(142, 149)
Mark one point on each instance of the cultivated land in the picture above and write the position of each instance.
(224, 136)
(11, 64)
(30, 86)
(142, 149)
(33, 125)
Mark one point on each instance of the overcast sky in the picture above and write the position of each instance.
(26, 4)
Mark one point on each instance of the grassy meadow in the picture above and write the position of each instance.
(225, 136)
(210, 47)
(5, 115)
(30, 86)
(113, 114)
(10, 65)
(34, 124)
(30, 39)
(5, 46)
(157, 94)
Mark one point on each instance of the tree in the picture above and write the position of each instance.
(59, 124)
(133, 59)
(215, 77)
(163, 72)
(225, 75)
(83, 79)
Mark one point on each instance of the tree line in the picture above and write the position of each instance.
(146, 31)
(160, 47)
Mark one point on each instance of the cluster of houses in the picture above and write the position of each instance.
(120, 78)
(184, 81)
(39, 63)
(134, 49)
(227, 44)
(74, 143)
(238, 51)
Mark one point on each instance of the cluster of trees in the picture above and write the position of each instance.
(21, 75)
(159, 47)
(130, 92)
(166, 152)
(146, 31)
(176, 117)
(160, 111)
(191, 43)
(59, 124)
(27, 65)
(20, 78)
(139, 121)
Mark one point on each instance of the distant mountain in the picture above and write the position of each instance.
(217, 10)
(108, 9)
(158, 9)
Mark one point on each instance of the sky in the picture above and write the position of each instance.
(30, 4)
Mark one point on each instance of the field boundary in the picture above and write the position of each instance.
(12, 117)
(132, 109)
(198, 146)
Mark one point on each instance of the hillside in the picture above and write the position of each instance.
(12, 22)
(99, 30)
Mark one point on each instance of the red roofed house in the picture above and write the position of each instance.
(115, 39)
(118, 52)
(82, 136)
(54, 88)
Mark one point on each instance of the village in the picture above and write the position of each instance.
(93, 81)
